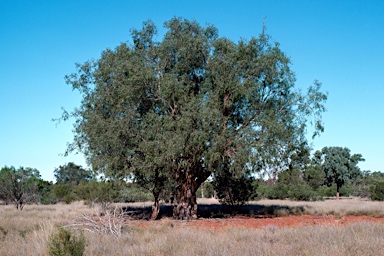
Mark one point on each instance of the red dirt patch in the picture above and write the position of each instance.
(282, 222)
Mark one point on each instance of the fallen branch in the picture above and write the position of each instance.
(111, 222)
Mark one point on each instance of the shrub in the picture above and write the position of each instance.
(65, 243)
(134, 193)
(377, 191)
(314, 176)
(64, 193)
(276, 191)
(303, 192)
(331, 191)
(360, 191)
(102, 192)
(48, 198)
(232, 190)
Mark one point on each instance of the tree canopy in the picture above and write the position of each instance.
(18, 185)
(71, 174)
(338, 164)
(171, 113)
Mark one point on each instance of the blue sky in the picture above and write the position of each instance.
(340, 43)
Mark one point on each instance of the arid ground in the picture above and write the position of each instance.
(266, 227)
(280, 222)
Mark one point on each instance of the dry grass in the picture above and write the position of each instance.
(356, 239)
(27, 232)
(354, 206)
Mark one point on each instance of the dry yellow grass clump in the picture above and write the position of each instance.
(27, 232)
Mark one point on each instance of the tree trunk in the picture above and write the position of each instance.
(156, 204)
(185, 207)
(155, 209)
(19, 204)
(337, 193)
(156, 192)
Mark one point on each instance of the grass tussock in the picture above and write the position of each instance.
(28, 232)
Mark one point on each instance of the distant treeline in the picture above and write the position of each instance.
(25, 186)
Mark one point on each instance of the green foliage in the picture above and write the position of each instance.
(277, 191)
(360, 190)
(206, 190)
(66, 243)
(102, 192)
(63, 193)
(375, 176)
(377, 191)
(361, 186)
(299, 192)
(338, 165)
(329, 191)
(45, 192)
(134, 193)
(314, 176)
(289, 177)
(289, 185)
(19, 186)
(71, 174)
(171, 113)
(232, 190)
(303, 192)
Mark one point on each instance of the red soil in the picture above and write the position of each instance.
(282, 222)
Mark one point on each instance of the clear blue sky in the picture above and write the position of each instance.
(340, 43)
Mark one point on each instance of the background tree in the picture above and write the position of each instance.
(101, 192)
(377, 190)
(44, 192)
(64, 193)
(206, 190)
(339, 165)
(171, 113)
(68, 178)
(18, 185)
(371, 186)
(71, 174)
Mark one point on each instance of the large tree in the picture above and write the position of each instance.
(171, 113)
(338, 165)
